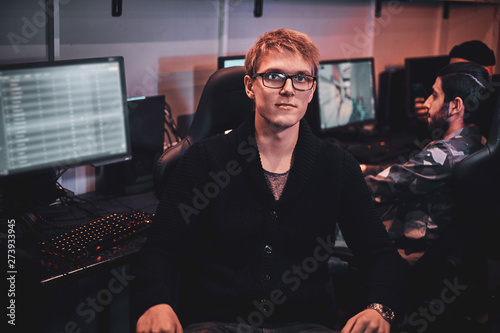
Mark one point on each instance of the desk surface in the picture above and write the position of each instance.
(381, 149)
(62, 217)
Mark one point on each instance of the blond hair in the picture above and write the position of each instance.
(281, 40)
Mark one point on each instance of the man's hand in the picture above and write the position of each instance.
(420, 109)
(159, 318)
(363, 168)
(367, 321)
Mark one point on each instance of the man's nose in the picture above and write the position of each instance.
(288, 86)
(427, 103)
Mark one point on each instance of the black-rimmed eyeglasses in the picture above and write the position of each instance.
(277, 80)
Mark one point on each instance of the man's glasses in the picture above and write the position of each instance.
(277, 80)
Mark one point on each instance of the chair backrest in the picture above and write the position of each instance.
(476, 181)
(223, 106)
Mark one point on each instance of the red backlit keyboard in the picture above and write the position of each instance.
(99, 234)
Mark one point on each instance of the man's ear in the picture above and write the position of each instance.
(249, 86)
(456, 106)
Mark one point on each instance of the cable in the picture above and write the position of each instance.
(169, 138)
(172, 125)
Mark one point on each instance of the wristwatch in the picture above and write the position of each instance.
(384, 311)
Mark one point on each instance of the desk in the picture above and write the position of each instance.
(380, 149)
(92, 296)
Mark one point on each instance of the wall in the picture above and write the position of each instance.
(151, 32)
(22, 31)
(170, 46)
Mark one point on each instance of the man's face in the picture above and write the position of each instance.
(282, 107)
(438, 110)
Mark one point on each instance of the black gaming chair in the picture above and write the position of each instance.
(223, 105)
(460, 256)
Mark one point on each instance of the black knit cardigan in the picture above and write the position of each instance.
(244, 257)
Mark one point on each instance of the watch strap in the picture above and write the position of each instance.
(383, 310)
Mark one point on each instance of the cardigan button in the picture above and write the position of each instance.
(268, 249)
(266, 277)
(274, 215)
(264, 305)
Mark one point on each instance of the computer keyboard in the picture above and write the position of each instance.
(76, 245)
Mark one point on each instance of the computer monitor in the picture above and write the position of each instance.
(230, 61)
(62, 114)
(420, 75)
(345, 94)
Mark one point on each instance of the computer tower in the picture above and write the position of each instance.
(391, 113)
(147, 128)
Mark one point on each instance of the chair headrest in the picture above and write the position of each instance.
(223, 105)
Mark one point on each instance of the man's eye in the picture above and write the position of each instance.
(300, 78)
(274, 76)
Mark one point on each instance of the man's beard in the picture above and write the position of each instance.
(439, 122)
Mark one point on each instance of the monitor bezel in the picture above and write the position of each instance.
(87, 160)
(314, 114)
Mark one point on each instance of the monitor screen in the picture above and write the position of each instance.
(62, 114)
(420, 74)
(230, 61)
(345, 93)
